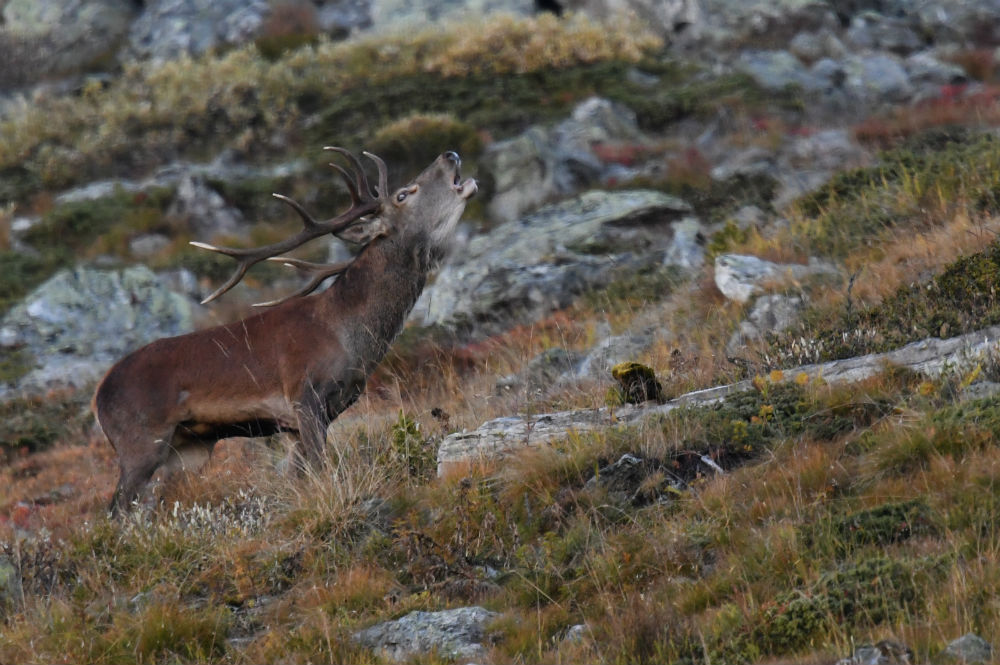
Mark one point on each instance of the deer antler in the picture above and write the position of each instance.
(320, 272)
(364, 201)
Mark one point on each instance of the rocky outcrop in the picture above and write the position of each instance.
(851, 81)
(457, 633)
(75, 325)
(883, 652)
(559, 369)
(970, 648)
(739, 276)
(502, 436)
(203, 210)
(77, 33)
(544, 163)
(800, 164)
(341, 18)
(610, 351)
(542, 371)
(634, 481)
(770, 313)
(667, 17)
(527, 268)
(967, 23)
(401, 14)
(167, 29)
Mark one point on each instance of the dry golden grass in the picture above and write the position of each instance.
(173, 99)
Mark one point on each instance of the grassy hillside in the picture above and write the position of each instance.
(847, 514)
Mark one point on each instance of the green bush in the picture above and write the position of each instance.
(887, 524)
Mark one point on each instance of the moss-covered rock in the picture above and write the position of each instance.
(637, 382)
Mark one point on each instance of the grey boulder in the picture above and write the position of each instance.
(456, 633)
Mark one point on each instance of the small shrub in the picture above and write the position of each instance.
(34, 423)
(415, 453)
(713, 200)
(725, 239)
(962, 298)
(288, 26)
(634, 290)
(21, 273)
(953, 431)
(70, 229)
(915, 184)
(14, 365)
(509, 44)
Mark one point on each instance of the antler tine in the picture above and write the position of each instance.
(360, 175)
(383, 173)
(240, 271)
(352, 188)
(321, 272)
(307, 219)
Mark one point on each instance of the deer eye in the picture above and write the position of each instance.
(402, 196)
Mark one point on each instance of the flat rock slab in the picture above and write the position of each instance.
(501, 436)
(456, 633)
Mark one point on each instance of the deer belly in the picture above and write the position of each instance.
(274, 409)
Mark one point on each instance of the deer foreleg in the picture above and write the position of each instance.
(313, 421)
(316, 410)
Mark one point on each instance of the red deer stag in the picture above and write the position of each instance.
(297, 366)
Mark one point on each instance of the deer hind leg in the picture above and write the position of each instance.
(171, 455)
(186, 455)
(138, 462)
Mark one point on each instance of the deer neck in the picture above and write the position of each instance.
(370, 302)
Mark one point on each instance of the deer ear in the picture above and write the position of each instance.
(366, 230)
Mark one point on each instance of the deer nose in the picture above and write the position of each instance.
(451, 155)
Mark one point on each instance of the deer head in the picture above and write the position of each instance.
(429, 206)
(298, 364)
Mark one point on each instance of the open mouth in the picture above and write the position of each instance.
(467, 188)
